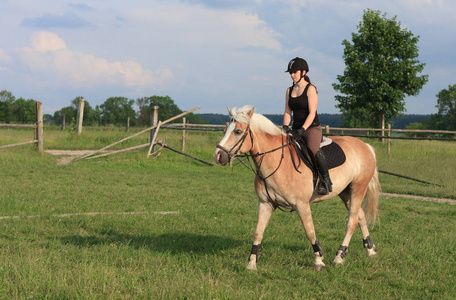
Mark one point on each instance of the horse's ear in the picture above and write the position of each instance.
(229, 111)
(250, 113)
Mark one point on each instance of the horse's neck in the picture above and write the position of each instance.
(264, 143)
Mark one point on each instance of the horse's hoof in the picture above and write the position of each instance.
(319, 267)
(338, 260)
(251, 267)
(371, 253)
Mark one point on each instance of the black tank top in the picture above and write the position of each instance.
(300, 108)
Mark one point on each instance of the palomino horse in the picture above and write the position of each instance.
(279, 182)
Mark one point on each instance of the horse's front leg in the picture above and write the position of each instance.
(265, 211)
(305, 215)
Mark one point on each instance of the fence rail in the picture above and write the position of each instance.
(326, 130)
(38, 126)
(19, 125)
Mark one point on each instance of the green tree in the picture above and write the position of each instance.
(90, 117)
(116, 110)
(167, 109)
(143, 114)
(445, 119)
(69, 112)
(6, 106)
(416, 126)
(24, 111)
(382, 68)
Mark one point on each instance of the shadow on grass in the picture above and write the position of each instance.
(169, 242)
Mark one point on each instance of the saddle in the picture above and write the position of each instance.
(334, 155)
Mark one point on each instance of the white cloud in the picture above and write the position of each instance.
(49, 58)
(4, 56)
(195, 24)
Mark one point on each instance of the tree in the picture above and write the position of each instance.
(6, 106)
(445, 119)
(24, 110)
(90, 117)
(167, 109)
(116, 110)
(143, 114)
(382, 67)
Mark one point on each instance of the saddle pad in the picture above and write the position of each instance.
(334, 155)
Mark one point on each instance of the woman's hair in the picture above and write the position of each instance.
(307, 78)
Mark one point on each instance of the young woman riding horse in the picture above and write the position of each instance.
(301, 99)
(280, 182)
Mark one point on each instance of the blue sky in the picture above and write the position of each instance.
(204, 53)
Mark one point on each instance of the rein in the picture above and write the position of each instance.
(248, 155)
(260, 162)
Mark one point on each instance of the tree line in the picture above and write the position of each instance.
(114, 111)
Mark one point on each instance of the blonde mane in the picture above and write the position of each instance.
(257, 122)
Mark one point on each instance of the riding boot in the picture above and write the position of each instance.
(325, 185)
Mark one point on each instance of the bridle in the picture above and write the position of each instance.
(233, 153)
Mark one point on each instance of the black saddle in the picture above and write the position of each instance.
(334, 155)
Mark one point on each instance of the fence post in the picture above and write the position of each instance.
(389, 140)
(63, 122)
(153, 122)
(183, 133)
(80, 115)
(128, 124)
(327, 129)
(39, 123)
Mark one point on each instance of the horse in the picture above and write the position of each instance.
(281, 182)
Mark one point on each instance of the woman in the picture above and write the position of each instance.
(302, 101)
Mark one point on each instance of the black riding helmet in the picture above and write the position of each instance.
(297, 64)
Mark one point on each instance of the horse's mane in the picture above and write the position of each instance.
(257, 122)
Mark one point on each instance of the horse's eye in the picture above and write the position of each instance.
(237, 131)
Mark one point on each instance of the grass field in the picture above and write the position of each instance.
(201, 251)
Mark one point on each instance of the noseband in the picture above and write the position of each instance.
(233, 152)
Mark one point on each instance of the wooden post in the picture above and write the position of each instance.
(128, 124)
(136, 134)
(153, 142)
(389, 140)
(80, 115)
(382, 124)
(183, 134)
(63, 123)
(153, 122)
(39, 123)
(327, 129)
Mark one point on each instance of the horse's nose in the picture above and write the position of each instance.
(220, 157)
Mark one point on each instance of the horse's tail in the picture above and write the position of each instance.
(370, 205)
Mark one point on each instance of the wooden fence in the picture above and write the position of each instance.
(384, 134)
(38, 126)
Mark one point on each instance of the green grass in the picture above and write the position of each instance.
(201, 252)
(431, 161)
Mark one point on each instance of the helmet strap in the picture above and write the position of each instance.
(302, 76)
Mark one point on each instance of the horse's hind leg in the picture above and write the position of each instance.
(367, 241)
(265, 211)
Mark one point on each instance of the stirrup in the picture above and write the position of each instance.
(324, 188)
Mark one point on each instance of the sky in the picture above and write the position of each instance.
(209, 53)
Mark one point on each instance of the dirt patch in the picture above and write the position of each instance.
(68, 155)
(422, 198)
